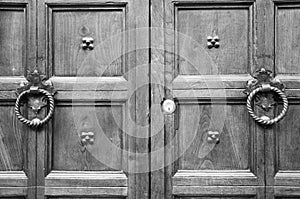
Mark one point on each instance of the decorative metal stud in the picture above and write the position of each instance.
(87, 138)
(213, 42)
(87, 43)
(213, 137)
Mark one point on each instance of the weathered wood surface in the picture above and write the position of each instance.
(114, 84)
(17, 54)
(13, 40)
(70, 24)
(99, 91)
(208, 83)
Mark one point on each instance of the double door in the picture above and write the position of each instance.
(114, 63)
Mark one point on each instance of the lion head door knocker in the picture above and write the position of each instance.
(36, 93)
(259, 88)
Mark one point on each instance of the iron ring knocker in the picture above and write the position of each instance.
(34, 122)
(264, 89)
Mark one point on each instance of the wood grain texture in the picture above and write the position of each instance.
(104, 185)
(12, 41)
(287, 178)
(205, 79)
(235, 144)
(287, 192)
(194, 82)
(222, 191)
(288, 140)
(86, 191)
(138, 105)
(70, 154)
(213, 178)
(60, 55)
(18, 53)
(86, 179)
(233, 27)
(158, 162)
(10, 83)
(12, 141)
(69, 25)
(13, 179)
(287, 32)
(90, 83)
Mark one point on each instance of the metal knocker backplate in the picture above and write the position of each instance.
(263, 82)
(36, 86)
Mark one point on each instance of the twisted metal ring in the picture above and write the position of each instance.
(263, 120)
(35, 122)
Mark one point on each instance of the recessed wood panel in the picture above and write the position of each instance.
(288, 139)
(104, 24)
(12, 41)
(68, 151)
(12, 138)
(287, 37)
(233, 150)
(233, 27)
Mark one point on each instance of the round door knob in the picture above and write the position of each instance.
(168, 106)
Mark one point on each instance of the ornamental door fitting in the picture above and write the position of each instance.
(257, 88)
(36, 93)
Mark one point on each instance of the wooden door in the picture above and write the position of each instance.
(91, 147)
(207, 83)
(282, 141)
(206, 79)
(109, 137)
(17, 142)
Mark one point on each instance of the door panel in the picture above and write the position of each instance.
(283, 155)
(232, 22)
(13, 141)
(70, 24)
(69, 154)
(13, 39)
(287, 31)
(235, 137)
(207, 85)
(17, 143)
(89, 147)
(92, 147)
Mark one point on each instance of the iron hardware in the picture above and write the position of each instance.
(213, 137)
(263, 82)
(39, 91)
(213, 42)
(87, 138)
(87, 43)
